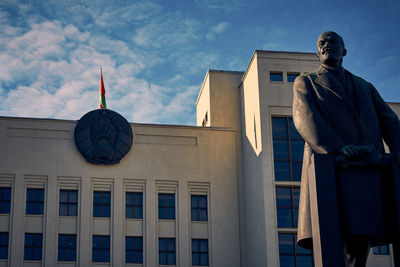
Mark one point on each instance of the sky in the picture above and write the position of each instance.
(155, 54)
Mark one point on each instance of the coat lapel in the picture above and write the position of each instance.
(332, 84)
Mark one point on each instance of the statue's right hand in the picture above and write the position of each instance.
(351, 152)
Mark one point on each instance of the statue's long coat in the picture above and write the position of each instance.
(328, 118)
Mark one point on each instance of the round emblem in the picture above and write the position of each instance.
(103, 136)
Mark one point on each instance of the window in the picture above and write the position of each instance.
(3, 246)
(134, 205)
(292, 255)
(292, 76)
(381, 250)
(68, 202)
(133, 249)
(275, 77)
(34, 201)
(33, 247)
(5, 199)
(288, 149)
(101, 204)
(198, 208)
(101, 248)
(166, 206)
(66, 247)
(166, 251)
(199, 252)
(287, 206)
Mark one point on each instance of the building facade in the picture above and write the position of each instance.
(224, 193)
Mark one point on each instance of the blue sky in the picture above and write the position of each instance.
(155, 54)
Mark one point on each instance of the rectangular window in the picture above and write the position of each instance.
(3, 245)
(287, 206)
(134, 205)
(288, 149)
(292, 76)
(34, 201)
(291, 254)
(275, 76)
(166, 206)
(33, 247)
(166, 251)
(381, 250)
(198, 208)
(133, 249)
(101, 204)
(199, 252)
(101, 248)
(68, 202)
(5, 199)
(66, 247)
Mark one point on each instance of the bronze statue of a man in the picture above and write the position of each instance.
(339, 113)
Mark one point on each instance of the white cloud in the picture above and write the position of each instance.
(51, 70)
(217, 29)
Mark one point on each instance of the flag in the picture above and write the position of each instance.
(102, 92)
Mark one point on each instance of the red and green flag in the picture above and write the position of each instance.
(102, 92)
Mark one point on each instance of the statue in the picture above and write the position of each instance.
(340, 114)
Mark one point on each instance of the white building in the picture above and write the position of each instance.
(219, 194)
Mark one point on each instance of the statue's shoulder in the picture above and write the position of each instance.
(358, 79)
(306, 77)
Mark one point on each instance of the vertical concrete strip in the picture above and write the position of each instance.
(50, 236)
(17, 226)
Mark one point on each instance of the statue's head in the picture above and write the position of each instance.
(330, 49)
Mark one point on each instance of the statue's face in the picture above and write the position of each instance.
(330, 49)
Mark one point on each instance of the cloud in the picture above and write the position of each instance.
(51, 70)
(217, 29)
(221, 5)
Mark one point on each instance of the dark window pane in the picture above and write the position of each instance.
(292, 76)
(5, 199)
(66, 247)
(202, 201)
(204, 259)
(33, 247)
(194, 215)
(4, 246)
(171, 258)
(284, 218)
(279, 128)
(296, 170)
(283, 197)
(101, 248)
(202, 215)
(64, 196)
(297, 149)
(286, 261)
(134, 249)
(34, 201)
(304, 261)
(275, 76)
(68, 202)
(101, 204)
(286, 243)
(166, 206)
(281, 149)
(282, 170)
(193, 201)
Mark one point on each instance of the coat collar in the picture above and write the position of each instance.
(328, 79)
